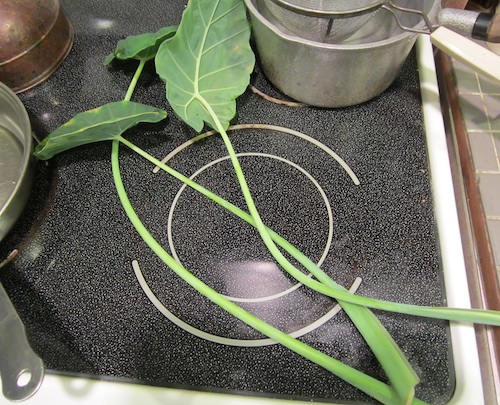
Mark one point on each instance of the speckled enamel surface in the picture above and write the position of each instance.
(73, 281)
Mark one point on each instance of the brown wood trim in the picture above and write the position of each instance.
(487, 274)
(454, 3)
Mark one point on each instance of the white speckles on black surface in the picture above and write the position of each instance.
(73, 282)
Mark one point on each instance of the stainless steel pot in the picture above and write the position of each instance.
(21, 370)
(336, 75)
(15, 158)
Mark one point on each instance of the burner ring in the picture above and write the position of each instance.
(231, 341)
(304, 172)
(248, 342)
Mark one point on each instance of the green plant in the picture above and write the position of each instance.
(205, 68)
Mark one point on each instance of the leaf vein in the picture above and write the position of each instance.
(201, 15)
(227, 12)
(221, 104)
(223, 41)
(193, 53)
(204, 41)
(118, 122)
(182, 89)
(179, 67)
(219, 89)
(214, 72)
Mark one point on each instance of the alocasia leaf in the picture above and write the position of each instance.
(142, 46)
(207, 62)
(100, 124)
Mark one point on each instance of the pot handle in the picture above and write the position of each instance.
(466, 51)
(21, 370)
(482, 26)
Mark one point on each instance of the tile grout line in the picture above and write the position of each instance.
(485, 109)
(479, 131)
(474, 93)
(490, 128)
(495, 150)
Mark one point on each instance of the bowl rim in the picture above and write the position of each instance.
(13, 204)
(436, 6)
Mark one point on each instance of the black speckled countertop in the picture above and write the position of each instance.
(73, 282)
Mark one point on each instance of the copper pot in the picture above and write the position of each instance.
(35, 37)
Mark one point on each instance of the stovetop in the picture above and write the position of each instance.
(97, 303)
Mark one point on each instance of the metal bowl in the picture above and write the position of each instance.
(15, 158)
(336, 75)
(35, 37)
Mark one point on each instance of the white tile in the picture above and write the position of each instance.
(467, 80)
(489, 186)
(494, 232)
(484, 151)
(474, 112)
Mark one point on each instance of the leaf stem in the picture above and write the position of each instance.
(390, 356)
(135, 79)
(487, 317)
(365, 383)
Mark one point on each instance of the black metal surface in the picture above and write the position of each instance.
(73, 282)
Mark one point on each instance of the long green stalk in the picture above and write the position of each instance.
(394, 363)
(486, 317)
(379, 340)
(373, 330)
(371, 386)
(377, 336)
(135, 79)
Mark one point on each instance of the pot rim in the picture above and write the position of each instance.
(13, 205)
(292, 38)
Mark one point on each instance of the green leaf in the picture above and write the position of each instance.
(207, 62)
(101, 124)
(141, 47)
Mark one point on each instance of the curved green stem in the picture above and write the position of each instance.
(135, 79)
(394, 363)
(377, 389)
(486, 317)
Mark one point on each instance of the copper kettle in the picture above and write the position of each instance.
(35, 37)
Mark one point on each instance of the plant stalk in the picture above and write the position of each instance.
(371, 386)
(135, 79)
(486, 317)
(390, 356)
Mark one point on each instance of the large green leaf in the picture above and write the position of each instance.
(208, 61)
(142, 46)
(100, 124)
